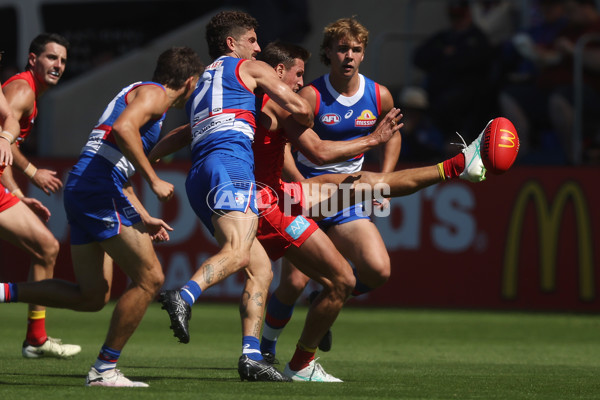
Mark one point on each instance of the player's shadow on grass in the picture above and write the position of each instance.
(182, 378)
(180, 367)
(35, 379)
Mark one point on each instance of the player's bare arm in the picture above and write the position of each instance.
(21, 99)
(37, 207)
(157, 228)
(391, 150)
(43, 178)
(257, 74)
(175, 140)
(320, 151)
(290, 172)
(9, 182)
(323, 152)
(144, 103)
(9, 132)
(5, 152)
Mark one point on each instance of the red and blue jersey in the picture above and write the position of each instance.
(339, 117)
(101, 156)
(94, 201)
(222, 112)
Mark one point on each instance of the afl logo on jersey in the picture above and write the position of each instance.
(330, 119)
(365, 119)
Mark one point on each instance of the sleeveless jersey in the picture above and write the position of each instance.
(222, 112)
(26, 121)
(268, 153)
(101, 152)
(339, 117)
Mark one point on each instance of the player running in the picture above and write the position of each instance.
(107, 220)
(220, 184)
(19, 222)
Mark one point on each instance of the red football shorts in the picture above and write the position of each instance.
(7, 200)
(281, 222)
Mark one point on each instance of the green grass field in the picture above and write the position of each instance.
(379, 353)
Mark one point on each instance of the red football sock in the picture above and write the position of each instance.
(454, 166)
(36, 328)
(302, 357)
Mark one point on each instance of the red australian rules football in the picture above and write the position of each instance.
(500, 145)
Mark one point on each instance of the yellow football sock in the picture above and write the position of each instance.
(37, 314)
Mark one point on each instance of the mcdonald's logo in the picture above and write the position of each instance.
(549, 221)
(509, 137)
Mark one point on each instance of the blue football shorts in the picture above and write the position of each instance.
(218, 184)
(352, 213)
(96, 211)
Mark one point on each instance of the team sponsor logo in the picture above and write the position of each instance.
(130, 212)
(96, 138)
(508, 140)
(349, 114)
(330, 119)
(549, 219)
(208, 125)
(297, 227)
(365, 119)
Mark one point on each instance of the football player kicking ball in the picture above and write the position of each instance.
(288, 232)
(284, 229)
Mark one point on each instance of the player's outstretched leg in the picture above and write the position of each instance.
(180, 313)
(314, 372)
(111, 378)
(52, 347)
(252, 370)
(327, 341)
(37, 343)
(474, 170)
(467, 164)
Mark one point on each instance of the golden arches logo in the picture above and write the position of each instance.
(509, 137)
(549, 221)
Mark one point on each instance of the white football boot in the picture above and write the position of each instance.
(52, 347)
(110, 378)
(474, 170)
(314, 372)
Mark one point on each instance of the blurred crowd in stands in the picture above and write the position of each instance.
(489, 62)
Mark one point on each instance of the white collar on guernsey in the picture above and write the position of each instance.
(345, 100)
